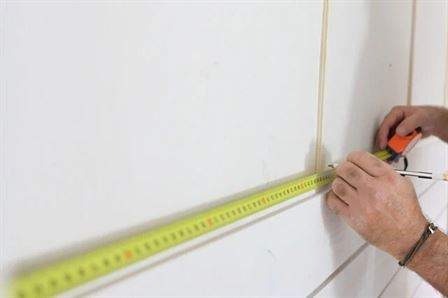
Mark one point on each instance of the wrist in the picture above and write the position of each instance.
(409, 238)
(426, 251)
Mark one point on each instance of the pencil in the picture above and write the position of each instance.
(417, 174)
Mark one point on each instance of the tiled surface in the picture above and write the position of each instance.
(121, 114)
(367, 71)
(430, 52)
(369, 273)
(120, 118)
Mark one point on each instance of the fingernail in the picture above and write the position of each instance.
(400, 131)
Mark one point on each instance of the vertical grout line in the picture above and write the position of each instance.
(445, 91)
(411, 53)
(321, 85)
(3, 123)
(358, 252)
(445, 95)
(445, 98)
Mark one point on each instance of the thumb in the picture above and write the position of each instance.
(409, 124)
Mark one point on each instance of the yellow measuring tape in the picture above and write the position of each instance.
(67, 274)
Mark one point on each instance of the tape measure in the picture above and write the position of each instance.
(400, 145)
(67, 274)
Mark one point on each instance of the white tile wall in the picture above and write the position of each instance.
(118, 113)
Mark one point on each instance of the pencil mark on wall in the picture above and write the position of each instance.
(271, 254)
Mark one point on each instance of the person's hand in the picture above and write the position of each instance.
(404, 119)
(377, 203)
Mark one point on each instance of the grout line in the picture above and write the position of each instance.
(428, 188)
(88, 292)
(411, 54)
(354, 256)
(416, 288)
(321, 85)
(339, 269)
(3, 135)
(445, 96)
(438, 216)
(389, 282)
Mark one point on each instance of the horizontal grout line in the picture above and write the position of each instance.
(339, 269)
(354, 256)
(422, 280)
(444, 209)
(428, 188)
(389, 282)
(219, 236)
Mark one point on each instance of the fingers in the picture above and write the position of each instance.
(369, 163)
(343, 191)
(410, 123)
(395, 116)
(353, 175)
(336, 205)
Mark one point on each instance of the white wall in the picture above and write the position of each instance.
(119, 116)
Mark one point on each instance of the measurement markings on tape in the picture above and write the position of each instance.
(67, 274)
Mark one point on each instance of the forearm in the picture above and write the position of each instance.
(431, 262)
(383, 208)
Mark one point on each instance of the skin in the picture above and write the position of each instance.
(382, 206)
(404, 119)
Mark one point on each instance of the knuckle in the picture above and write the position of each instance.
(388, 172)
(391, 177)
(349, 170)
(402, 107)
(328, 196)
(356, 155)
(378, 163)
(343, 168)
(353, 173)
(387, 167)
(340, 169)
(424, 116)
(396, 109)
(329, 200)
(339, 187)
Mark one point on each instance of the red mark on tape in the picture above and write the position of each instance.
(210, 221)
(128, 254)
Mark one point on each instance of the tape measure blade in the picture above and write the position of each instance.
(65, 275)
